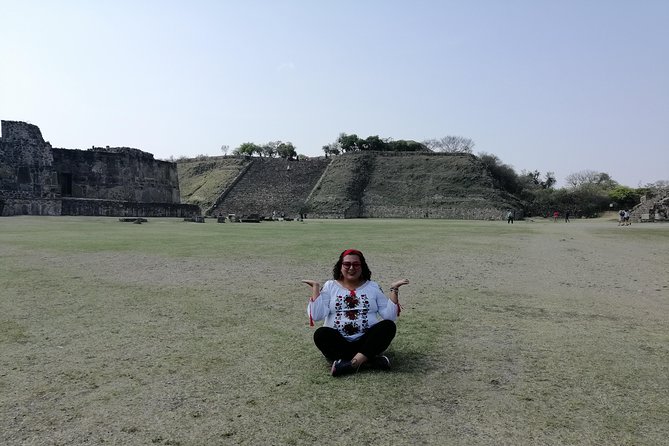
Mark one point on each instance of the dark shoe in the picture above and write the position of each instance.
(341, 367)
(381, 362)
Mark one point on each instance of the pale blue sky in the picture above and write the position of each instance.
(558, 86)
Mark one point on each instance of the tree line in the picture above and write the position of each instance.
(271, 149)
(586, 194)
(353, 143)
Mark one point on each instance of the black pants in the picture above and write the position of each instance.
(334, 346)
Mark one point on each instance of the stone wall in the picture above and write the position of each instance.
(36, 179)
(30, 206)
(465, 212)
(80, 206)
(25, 163)
(116, 174)
(21, 131)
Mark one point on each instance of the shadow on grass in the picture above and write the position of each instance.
(408, 362)
(404, 361)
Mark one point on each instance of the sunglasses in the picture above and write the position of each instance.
(348, 265)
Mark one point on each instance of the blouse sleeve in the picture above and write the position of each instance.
(320, 308)
(387, 308)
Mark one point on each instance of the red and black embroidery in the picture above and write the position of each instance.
(351, 301)
(351, 313)
(351, 329)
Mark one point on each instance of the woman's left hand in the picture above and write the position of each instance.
(315, 288)
(399, 283)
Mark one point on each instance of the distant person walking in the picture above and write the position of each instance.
(556, 214)
(626, 218)
(566, 216)
(509, 217)
(621, 217)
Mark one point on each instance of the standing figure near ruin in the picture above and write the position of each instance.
(359, 318)
(626, 218)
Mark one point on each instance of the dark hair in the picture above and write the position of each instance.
(365, 273)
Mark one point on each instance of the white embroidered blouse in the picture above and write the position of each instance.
(352, 312)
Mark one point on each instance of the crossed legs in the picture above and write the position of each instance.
(334, 346)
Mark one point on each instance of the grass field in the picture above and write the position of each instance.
(175, 333)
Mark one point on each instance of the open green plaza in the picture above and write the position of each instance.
(176, 333)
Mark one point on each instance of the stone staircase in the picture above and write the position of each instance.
(272, 185)
(655, 208)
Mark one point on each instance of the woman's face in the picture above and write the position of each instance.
(351, 267)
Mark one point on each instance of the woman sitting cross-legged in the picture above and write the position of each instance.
(359, 319)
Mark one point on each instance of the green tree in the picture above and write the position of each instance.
(589, 191)
(248, 149)
(406, 146)
(503, 175)
(349, 143)
(373, 143)
(589, 200)
(625, 197)
(353, 143)
(542, 201)
(606, 182)
(286, 150)
(269, 149)
(332, 149)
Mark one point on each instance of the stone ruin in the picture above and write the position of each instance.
(37, 179)
(654, 207)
